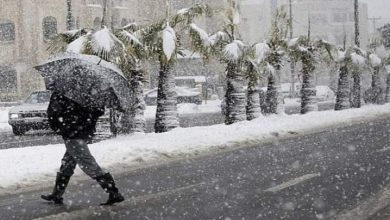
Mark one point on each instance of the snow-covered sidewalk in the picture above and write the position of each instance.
(36, 166)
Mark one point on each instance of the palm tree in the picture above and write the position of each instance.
(255, 68)
(230, 50)
(163, 44)
(348, 59)
(304, 50)
(375, 63)
(277, 44)
(253, 109)
(386, 62)
(128, 48)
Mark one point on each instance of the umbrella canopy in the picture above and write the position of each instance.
(87, 80)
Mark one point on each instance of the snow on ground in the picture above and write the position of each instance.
(211, 106)
(36, 166)
(4, 118)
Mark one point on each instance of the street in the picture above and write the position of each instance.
(314, 176)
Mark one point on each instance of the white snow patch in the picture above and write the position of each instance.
(293, 42)
(103, 40)
(131, 37)
(169, 41)
(341, 55)
(78, 45)
(261, 51)
(234, 50)
(182, 11)
(358, 59)
(375, 60)
(202, 35)
(215, 38)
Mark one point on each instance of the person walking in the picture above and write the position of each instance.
(77, 125)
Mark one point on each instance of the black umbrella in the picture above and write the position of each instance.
(87, 80)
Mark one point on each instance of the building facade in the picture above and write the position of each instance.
(26, 27)
(331, 20)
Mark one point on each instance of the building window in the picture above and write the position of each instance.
(49, 28)
(8, 80)
(7, 31)
(97, 23)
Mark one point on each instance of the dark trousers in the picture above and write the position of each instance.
(77, 153)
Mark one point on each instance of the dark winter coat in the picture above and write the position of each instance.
(71, 120)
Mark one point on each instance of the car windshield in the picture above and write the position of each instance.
(38, 97)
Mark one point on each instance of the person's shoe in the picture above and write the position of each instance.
(59, 189)
(114, 198)
(107, 182)
(53, 198)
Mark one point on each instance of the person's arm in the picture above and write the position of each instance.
(54, 112)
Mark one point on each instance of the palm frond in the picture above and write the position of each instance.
(234, 51)
(62, 40)
(106, 45)
(187, 15)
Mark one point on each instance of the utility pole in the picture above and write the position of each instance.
(356, 75)
(357, 27)
(292, 66)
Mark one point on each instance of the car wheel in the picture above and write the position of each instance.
(18, 131)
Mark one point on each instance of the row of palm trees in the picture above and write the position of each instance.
(129, 47)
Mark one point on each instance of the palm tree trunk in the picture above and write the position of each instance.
(166, 114)
(274, 96)
(138, 118)
(388, 89)
(376, 86)
(253, 109)
(235, 95)
(342, 96)
(308, 91)
(356, 90)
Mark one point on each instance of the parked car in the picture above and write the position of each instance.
(324, 93)
(184, 95)
(31, 114)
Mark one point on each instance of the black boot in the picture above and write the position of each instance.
(108, 184)
(59, 189)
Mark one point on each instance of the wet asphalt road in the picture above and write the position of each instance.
(37, 138)
(307, 177)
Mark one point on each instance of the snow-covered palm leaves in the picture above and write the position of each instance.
(61, 42)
